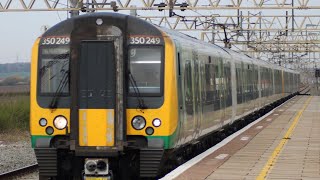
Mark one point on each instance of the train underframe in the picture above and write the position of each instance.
(59, 162)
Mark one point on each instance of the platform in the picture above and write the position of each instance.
(283, 145)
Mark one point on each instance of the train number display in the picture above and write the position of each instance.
(144, 40)
(55, 41)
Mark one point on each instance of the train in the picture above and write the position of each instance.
(115, 97)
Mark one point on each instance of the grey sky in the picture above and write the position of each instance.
(18, 31)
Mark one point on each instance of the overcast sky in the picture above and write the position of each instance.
(18, 31)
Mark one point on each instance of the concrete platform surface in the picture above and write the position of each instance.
(284, 145)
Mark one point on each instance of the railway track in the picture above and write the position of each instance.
(305, 90)
(19, 172)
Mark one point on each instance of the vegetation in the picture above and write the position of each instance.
(14, 112)
(4, 75)
(14, 97)
(14, 80)
(14, 74)
(13, 68)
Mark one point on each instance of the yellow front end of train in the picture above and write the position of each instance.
(103, 91)
(42, 120)
(161, 122)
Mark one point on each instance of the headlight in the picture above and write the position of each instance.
(99, 21)
(149, 131)
(138, 122)
(43, 122)
(49, 130)
(156, 122)
(60, 122)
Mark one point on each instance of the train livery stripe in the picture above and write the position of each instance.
(91, 130)
(34, 139)
(273, 158)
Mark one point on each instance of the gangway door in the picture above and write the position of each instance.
(97, 87)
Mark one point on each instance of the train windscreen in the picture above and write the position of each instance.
(54, 70)
(145, 68)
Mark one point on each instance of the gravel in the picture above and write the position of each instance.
(15, 151)
(31, 176)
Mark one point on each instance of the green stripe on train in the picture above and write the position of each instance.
(35, 137)
(168, 140)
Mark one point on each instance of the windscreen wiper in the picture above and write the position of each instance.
(141, 104)
(62, 84)
(55, 60)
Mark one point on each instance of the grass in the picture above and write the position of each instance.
(21, 74)
(14, 112)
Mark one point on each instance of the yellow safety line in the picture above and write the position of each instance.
(271, 161)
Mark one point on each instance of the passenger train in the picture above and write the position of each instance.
(115, 97)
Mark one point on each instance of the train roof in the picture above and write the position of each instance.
(242, 56)
(129, 25)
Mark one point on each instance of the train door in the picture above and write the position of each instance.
(263, 85)
(197, 92)
(255, 85)
(97, 94)
(250, 86)
(203, 93)
(239, 83)
(222, 89)
(97, 88)
(245, 87)
(189, 123)
(272, 77)
(216, 94)
(217, 90)
(268, 85)
(227, 92)
(179, 90)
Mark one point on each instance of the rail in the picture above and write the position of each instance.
(305, 90)
(20, 171)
